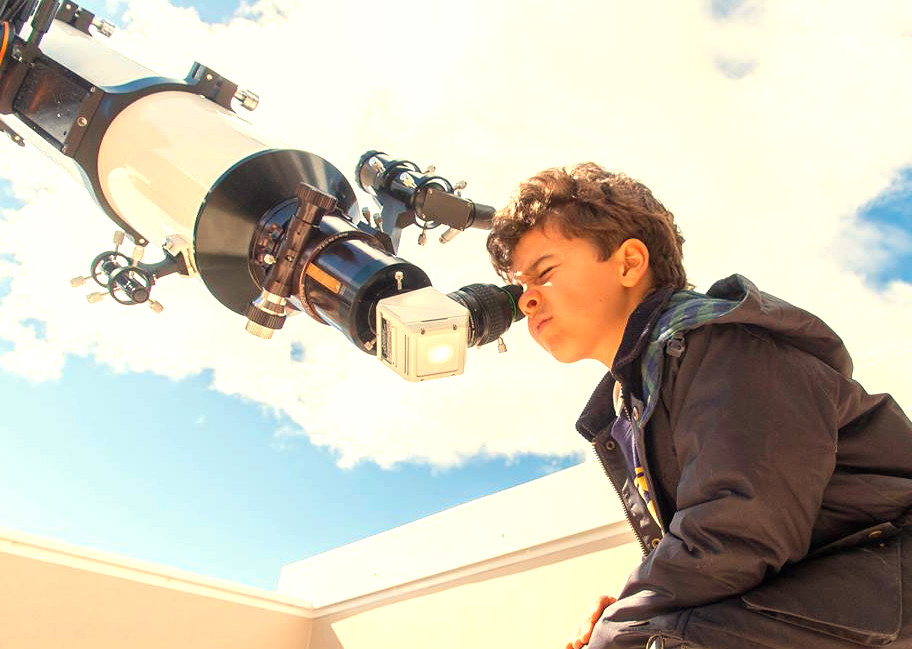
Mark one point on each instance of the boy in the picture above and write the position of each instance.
(771, 495)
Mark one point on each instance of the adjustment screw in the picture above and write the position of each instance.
(82, 121)
(248, 100)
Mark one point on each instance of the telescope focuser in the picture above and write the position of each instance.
(266, 313)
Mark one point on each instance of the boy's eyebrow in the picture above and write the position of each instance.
(531, 269)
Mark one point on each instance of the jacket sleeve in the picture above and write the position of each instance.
(754, 428)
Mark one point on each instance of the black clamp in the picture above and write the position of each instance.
(75, 16)
(210, 84)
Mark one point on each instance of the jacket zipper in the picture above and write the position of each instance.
(641, 449)
(617, 492)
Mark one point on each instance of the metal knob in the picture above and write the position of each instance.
(247, 99)
(449, 235)
(105, 27)
(259, 330)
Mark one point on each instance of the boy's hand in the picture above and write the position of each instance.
(584, 629)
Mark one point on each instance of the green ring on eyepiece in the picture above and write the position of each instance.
(513, 305)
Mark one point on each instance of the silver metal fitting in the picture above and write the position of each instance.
(259, 330)
(449, 235)
(105, 27)
(248, 99)
(407, 180)
(267, 303)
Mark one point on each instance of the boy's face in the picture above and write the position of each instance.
(577, 305)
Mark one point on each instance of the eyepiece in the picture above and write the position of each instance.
(492, 309)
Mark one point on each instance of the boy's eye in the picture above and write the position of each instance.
(533, 279)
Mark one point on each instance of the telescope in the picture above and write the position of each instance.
(270, 230)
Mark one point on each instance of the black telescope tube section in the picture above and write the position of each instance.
(348, 274)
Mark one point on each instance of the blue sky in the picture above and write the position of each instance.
(199, 471)
(221, 498)
(894, 210)
(210, 11)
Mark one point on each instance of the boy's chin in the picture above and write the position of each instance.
(563, 354)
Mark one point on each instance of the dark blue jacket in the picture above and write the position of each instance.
(781, 488)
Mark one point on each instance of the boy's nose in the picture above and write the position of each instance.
(529, 301)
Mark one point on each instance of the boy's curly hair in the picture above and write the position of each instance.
(586, 201)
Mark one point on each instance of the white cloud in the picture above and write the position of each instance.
(765, 171)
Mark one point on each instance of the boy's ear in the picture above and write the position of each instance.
(634, 262)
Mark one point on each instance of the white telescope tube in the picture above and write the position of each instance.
(162, 155)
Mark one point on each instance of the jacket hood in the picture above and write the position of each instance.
(733, 300)
(791, 324)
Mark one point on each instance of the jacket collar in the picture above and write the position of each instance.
(600, 408)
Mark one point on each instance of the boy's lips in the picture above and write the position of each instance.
(538, 324)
